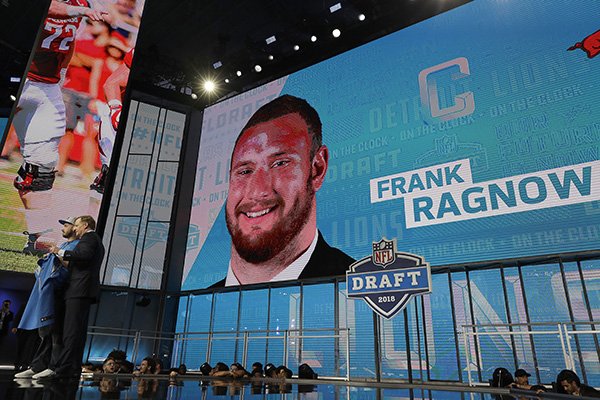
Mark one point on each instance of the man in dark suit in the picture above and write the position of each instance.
(278, 164)
(6, 316)
(83, 288)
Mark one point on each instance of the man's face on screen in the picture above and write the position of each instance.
(270, 192)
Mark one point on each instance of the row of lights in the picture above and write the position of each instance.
(209, 86)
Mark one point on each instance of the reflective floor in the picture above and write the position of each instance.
(190, 388)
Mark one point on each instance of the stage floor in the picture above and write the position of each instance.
(191, 387)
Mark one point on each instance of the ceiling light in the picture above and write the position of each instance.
(257, 68)
(271, 58)
(336, 33)
(296, 47)
(15, 79)
(335, 7)
(270, 39)
(361, 17)
(209, 86)
(226, 80)
(217, 64)
(313, 38)
(12, 97)
(194, 96)
(239, 73)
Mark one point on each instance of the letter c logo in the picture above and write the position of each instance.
(464, 103)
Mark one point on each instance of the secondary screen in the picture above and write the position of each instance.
(58, 147)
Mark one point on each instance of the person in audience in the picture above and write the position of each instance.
(306, 372)
(174, 372)
(571, 383)
(109, 366)
(158, 366)
(238, 371)
(205, 369)
(282, 372)
(147, 366)
(270, 371)
(220, 369)
(257, 370)
(522, 381)
(501, 377)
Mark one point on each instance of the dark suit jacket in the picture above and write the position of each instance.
(325, 261)
(84, 264)
(5, 322)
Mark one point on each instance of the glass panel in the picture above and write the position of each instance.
(392, 343)
(356, 316)
(439, 330)
(164, 191)
(153, 255)
(146, 122)
(462, 315)
(113, 313)
(318, 312)
(591, 281)
(489, 308)
(546, 302)
(195, 347)
(254, 317)
(285, 314)
(225, 325)
(518, 315)
(134, 185)
(121, 251)
(172, 136)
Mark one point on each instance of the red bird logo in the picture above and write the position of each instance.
(591, 45)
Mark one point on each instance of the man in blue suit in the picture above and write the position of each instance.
(45, 308)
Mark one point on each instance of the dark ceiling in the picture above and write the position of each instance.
(179, 41)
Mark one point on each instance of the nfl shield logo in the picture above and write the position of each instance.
(384, 252)
(388, 279)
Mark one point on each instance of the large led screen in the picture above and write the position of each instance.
(472, 136)
(59, 144)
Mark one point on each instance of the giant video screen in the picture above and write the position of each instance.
(58, 146)
(471, 136)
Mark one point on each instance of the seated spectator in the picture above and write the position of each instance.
(109, 366)
(205, 369)
(220, 369)
(257, 370)
(522, 381)
(158, 366)
(571, 383)
(126, 367)
(501, 378)
(283, 372)
(270, 370)
(88, 368)
(181, 370)
(146, 367)
(238, 371)
(306, 372)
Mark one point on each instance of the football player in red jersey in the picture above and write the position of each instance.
(39, 119)
(113, 89)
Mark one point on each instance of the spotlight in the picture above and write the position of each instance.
(226, 80)
(12, 97)
(218, 64)
(271, 58)
(336, 33)
(296, 47)
(209, 86)
(194, 96)
(335, 7)
(239, 73)
(257, 68)
(362, 17)
(15, 79)
(270, 39)
(313, 38)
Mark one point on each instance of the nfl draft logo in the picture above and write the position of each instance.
(387, 279)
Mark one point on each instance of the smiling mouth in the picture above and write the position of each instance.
(256, 214)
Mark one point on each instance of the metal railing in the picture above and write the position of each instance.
(566, 332)
(288, 337)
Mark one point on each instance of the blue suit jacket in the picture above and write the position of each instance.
(50, 276)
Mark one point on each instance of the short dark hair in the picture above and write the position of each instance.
(569, 376)
(89, 220)
(284, 105)
(117, 355)
(205, 369)
(151, 363)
